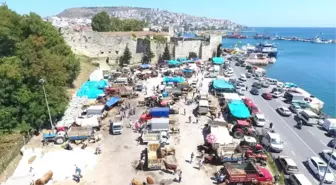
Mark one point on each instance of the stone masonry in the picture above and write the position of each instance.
(112, 45)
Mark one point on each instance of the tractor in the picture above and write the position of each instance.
(243, 128)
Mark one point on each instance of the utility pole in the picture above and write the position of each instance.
(42, 81)
(325, 172)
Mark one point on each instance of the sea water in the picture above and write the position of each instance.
(309, 65)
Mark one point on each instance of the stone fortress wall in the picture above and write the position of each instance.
(112, 45)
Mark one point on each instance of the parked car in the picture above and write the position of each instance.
(295, 108)
(264, 84)
(267, 96)
(241, 86)
(327, 154)
(259, 119)
(242, 77)
(332, 143)
(243, 64)
(272, 141)
(331, 133)
(248, 75)
(257, 85)
(254, 91)
(240, 91)
(288, 165)
(276, 94)
(319, 167)
(284, 111)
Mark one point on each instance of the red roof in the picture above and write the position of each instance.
(243, 122)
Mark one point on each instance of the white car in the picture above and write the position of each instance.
(240, 91)
(242, 77)
(259, 119)
(276, 94)
(228, 73)
(319, 167)
(327, 154)
(284, 111)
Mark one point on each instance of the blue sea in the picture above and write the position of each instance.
(311, 66)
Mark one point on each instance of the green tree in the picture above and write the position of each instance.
(31, 49)
(147, 56)
(101, 22)
(126, 57)
(192, 55)
(166, 53)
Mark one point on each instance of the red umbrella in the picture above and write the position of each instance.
(211, 138)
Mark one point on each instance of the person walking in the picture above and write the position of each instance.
(271, 125)
(200, 164)
(78, 171)
(196, 119)
(191, 157)
(185, 112)
(189, 119)
(180, 176)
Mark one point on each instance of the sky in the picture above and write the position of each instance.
(252, 13)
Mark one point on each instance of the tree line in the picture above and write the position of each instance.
(32, 50)
(103, 22)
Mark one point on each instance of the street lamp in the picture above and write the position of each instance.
(42, 81)
(325, 172)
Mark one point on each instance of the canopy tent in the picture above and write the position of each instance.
(188, 70)
(145, 66)
(238, 109)
(176, 79)
(217, 60)
(181, 59)
(112, 101)
(102, 84)
(222, 84)
(173, 63)
(91, 89)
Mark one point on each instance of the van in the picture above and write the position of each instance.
(329, 124)
(272, 141)
(116, 128)
(308, 117)
(298, 179)
(203, 107)
(272, 81)
(288, 165)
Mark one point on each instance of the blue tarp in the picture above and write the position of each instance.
(112, 101)
(238, 109)
(195, 59)
(176, 79)
(222, 84)
(159, 112)
(189, 35)
(174, 62)
(187, 70)
(91, 89)
(188, 61)
(145, 66)
(290, 85)
(102, 84)
(217, 60)
(181, 59)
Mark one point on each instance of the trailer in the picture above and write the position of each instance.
(161, 137)
(73, 134)
(153, 162)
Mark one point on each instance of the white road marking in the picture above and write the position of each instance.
(323, 143)
(293, 153)
(311, 132)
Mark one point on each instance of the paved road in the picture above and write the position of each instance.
(299, 144)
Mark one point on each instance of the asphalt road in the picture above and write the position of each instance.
(298, 144)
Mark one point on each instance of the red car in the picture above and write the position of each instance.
(252, 107)
(267, 96)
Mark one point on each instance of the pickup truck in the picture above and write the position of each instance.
(161, 137)
(246, 173)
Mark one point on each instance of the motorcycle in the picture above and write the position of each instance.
(299, 125)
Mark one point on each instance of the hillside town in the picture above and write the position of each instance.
(155, 17)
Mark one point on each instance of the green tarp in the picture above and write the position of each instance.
(238, 109)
